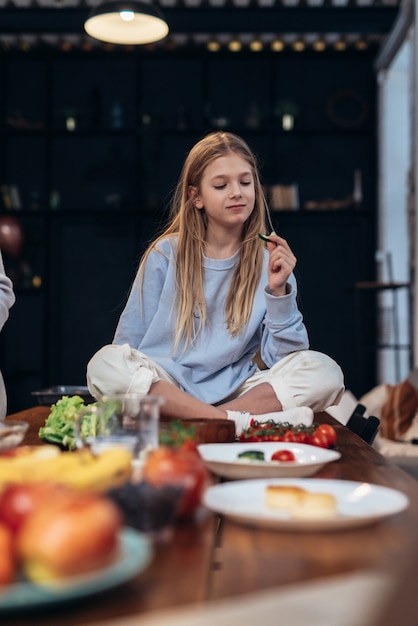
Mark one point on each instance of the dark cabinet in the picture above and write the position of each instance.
(93, 265)
(332, 250)
(91, 149)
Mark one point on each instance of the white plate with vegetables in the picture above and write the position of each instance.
(268, 459)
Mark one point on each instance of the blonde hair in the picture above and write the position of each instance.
(189, 225)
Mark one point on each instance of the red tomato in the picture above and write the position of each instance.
(18, 500)
(319, 439)
(189, 445)
(178, 466)
(329, 433)
(283, 456)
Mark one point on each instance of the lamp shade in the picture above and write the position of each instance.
(126, 22)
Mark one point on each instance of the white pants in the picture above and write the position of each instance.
(3, 399)
(304, 378)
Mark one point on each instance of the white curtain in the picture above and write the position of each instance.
(396, 234)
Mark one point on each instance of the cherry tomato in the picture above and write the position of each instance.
(301, 437)
(329, 432)
(319, 439)
(289, 436)
(283, 456)
(282, 431)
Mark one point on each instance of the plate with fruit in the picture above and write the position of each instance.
(58, 544)
(135, 554)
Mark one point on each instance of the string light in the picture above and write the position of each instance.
(234, 45)
(87, 46)
(66, 46)
(256, 45)
(340, 45)
(277, 45)
(361, 45)
(319, 45)
(298, 45)
(213, 45)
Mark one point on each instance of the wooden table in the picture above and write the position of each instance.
(214, 558)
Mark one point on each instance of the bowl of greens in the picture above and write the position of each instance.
(59, 427)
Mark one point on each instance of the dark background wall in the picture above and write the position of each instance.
(94, 144)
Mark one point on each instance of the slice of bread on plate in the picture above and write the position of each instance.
(300, 503)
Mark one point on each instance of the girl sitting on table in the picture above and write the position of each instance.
(208, 295)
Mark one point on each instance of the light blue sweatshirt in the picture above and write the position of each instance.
(217, 363)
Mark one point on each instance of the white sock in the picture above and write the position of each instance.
(298, 415)
(242, 420)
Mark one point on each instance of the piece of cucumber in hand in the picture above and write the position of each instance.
(265, 238)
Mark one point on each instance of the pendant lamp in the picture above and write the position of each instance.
(126, 22)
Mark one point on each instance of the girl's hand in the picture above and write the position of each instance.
(281, 264)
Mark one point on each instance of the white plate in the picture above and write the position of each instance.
(136, 553)
(358, 504)
(222, 459)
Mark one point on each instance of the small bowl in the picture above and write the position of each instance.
(51, 395)
(12, 433)
(146, 508)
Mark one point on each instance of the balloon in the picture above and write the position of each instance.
(12, 236)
